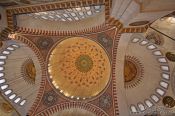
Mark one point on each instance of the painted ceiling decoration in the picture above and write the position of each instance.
(44, 43)
(155, 38)
(5, 85)
(170, 56)
(6, 109)
(105, 101)
(168, 101)
(87, 57)
(29, 71)
(155, 93)
(82, 65)
(105, 40)
(24, 70)
(92, 82)
(133, 71)
(50, 98)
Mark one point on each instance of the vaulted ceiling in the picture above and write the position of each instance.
(87, 57)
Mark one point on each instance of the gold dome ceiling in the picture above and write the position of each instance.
(79, 68)
(130, 71)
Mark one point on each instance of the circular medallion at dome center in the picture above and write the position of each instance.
(79, 68)
(84, 63)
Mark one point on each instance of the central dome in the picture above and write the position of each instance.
(79, 68)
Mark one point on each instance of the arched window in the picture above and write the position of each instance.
(133, 109)
(141, 106)
(148, 103)
(166, 76)
(8, 92)
(1, 74)
(160, 92)
(3, 57)
(157, 53)
(143, 42)
(151, 47)
(155, 98)
(164, 84)
(23, 102)
(135, 40)
(165, 68)
(162, 60)
(2, 62)
(6, 52)
(17, 100)
(3, 87)
(1, 68)
(12, 96)
(2, 81)
(10, 48)
(16, 46)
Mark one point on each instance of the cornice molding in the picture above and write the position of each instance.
(31, 31)
(12, 12)
(109, 21)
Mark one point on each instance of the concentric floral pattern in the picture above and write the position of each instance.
(28, 71)
(133, 71)
(50, 98)
(44, 43)
(105, 40)
(82, 65)
(168, 102)
(105, 101)
(155, 38)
